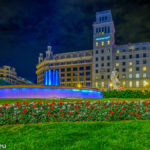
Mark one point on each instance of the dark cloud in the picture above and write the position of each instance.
(27, 26)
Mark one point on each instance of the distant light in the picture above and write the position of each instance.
(79, 85)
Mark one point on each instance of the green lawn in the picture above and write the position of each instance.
(11, 101)
(125, 135)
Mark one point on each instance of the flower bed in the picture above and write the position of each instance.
(74, 111)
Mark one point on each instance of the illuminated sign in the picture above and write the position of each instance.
(103, 38)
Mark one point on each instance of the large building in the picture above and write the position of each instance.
(66, 69)
(92, 68)
(9, 75)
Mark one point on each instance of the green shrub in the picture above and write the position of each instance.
(126, 94)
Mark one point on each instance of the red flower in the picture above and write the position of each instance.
(146, 103)
(129, 107)
(52, 108)
(136, 115)
(52, 114)
(123, 108)
(1, 114)
(60, 103)
(131, 113)
(89, 116)
(62, 115)
(76, 107)
(146, 109)
(22, 118)
(34, 106)
(107, 116)
(120, 113)
(111, 112)
(69, 113)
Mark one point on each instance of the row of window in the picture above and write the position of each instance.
(105, 29)
(131, 56)
(102, 58)
(102, 51)
(103, 19)
(124, 76)
(68, 63)
(75, 79)
(124, 84)
(102, 65)
(76, 74)
(129, 50)
(131, 69)
(74, 55)
(131, 63)
(97, 71)
(103, 43)
(76, 69)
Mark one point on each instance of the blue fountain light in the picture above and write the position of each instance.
(51, 77)
(48, 93)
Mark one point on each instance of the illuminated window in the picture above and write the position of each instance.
(123, 83)
(124, 76)
(144, 83)
(137, 75)
(97, 77)
(96, 84)
(130, 69)
(130, 63)
(117, 64)
(118, 51)
(144, 75)
(102, 43)
(102, 84)
(130, 84)
(102, 33)
(144, 68)
(137, 83)
(108, 50)
(130, 75)
(96, 43)
(108, 42)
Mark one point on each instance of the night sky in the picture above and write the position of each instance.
(28, 26)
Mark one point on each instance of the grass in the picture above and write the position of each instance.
(117, 135)
(125, 135)
(12, 101)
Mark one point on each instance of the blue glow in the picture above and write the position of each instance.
(75, 90)
(49, 77)
(54, 80)
(103, 38)
(57, 77)
(48, 93)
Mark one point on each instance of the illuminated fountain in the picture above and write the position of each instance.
(48, 93)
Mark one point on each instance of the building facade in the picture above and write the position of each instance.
(72, 69)
(9, 75)
(92, 68)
